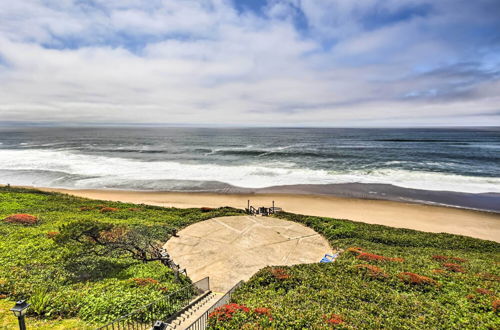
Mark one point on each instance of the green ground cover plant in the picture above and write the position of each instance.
(61, 278)
(386, 278)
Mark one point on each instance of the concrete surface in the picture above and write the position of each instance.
(230, 249)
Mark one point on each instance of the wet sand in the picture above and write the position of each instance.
(479, 224)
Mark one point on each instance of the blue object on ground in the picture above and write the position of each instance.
(329, 258)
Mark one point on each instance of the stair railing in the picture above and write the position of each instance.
(202, 321)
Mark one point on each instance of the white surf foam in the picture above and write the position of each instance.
(107, 170)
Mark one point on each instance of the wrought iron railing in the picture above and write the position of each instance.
(144, 318)
(202, 321)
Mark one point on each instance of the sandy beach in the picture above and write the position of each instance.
(484, 225)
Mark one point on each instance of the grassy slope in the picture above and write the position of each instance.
(313, 292)
(93, 289)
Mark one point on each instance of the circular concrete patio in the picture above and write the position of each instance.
(230, 249)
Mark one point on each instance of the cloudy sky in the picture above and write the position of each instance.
(251, 62)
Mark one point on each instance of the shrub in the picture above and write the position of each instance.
(41, 302)
(108, 209)
(416, 279)
(372, 271)
(454, 267)
(23, 219)
(206, 209)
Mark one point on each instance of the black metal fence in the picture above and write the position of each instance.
(146, 316)
(201, 323)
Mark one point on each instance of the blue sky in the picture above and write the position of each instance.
(252, 62)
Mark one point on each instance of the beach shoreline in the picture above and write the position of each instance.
(423, 217)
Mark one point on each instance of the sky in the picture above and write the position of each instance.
(250, 62)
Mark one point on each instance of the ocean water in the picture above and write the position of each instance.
(212, 159)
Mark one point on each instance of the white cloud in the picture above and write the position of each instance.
(204, 62)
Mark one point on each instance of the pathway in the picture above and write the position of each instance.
(230, 249)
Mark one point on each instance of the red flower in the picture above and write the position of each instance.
(280, 273)
(226, 312)
(262, 311)
(23, 219)
(333, 319)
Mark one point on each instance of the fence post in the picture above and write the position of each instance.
(159, 325)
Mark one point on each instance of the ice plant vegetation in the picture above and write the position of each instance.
(369, 286)
(70, 279)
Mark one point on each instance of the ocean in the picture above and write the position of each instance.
(464, 161)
